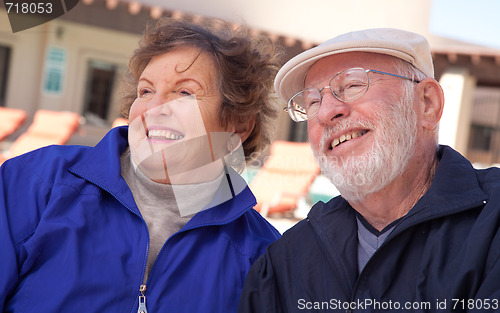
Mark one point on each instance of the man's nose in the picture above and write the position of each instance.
(331, 108)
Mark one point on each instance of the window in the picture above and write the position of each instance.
(480, 137)
(99, 89)
(298, 132)
(4, 72)
(484, 144)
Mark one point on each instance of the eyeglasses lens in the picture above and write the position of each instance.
(346, 86)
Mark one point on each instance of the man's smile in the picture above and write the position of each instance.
(346, 137)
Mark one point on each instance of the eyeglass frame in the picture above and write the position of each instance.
(288, 108)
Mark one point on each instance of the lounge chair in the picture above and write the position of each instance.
(284, 178)
(10, 121)
(47, 128)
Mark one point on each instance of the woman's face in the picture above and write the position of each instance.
(174, 121)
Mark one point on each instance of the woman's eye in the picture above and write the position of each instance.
(185, 92)
(144, 92)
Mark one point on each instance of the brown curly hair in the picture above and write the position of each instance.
(247, 67)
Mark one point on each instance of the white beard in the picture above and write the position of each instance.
(358, 176)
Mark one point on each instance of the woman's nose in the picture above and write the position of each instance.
(160, 105)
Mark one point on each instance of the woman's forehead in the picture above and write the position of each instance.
(184, 61)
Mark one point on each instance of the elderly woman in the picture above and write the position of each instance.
(154, 217)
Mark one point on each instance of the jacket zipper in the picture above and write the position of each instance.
(142, 300)
(142, 289)
(142, 297)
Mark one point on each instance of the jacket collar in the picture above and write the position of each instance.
(101, 166)
(454, 188)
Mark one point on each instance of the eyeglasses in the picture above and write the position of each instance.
(346, 86)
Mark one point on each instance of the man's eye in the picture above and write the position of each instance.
(354, 84)
(313, 102)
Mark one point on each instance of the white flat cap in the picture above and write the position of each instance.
(405, 45)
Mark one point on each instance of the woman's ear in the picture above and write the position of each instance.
(238, 132)
(244, 128)
(433, 103)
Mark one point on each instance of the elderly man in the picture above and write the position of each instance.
(416, 227)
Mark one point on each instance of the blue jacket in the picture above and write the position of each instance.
(73, 240)
(443, 256)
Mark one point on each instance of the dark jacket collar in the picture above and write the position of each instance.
(101, 166)
(455, 187)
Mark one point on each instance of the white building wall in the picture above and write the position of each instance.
(454, 128)
(81, 43)
(27, 49)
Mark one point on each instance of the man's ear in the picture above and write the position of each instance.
(432, 96)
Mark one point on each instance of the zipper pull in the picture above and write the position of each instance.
(142, 300)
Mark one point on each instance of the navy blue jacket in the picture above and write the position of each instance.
(73, 240)
(444, 255)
